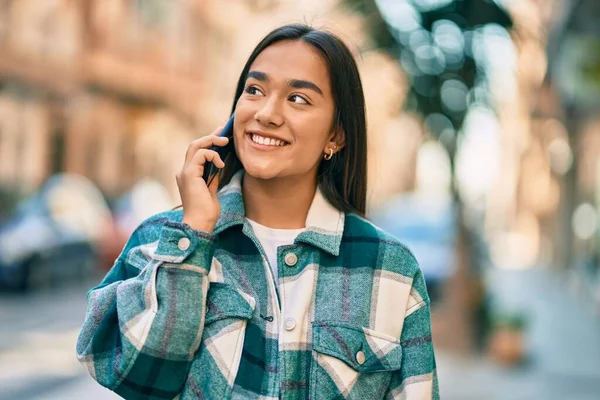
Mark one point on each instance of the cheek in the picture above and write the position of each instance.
(243, 115)
(244, 112)
(313, 132)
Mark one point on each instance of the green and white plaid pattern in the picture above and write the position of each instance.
(188, 315)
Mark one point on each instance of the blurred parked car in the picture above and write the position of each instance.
(145, 199)
(53, 235)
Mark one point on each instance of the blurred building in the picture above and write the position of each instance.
(116, 89)
(85, 84)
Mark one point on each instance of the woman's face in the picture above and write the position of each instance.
(284, 117)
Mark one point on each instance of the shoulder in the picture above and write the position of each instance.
(364, 237)
(149, 230)
(136, 253)
(158, 220)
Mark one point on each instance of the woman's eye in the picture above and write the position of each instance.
(298, 99)
(253, 90)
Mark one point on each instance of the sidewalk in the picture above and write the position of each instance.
(563, 336)
(479, 379)
(83, 386)
(562, 341)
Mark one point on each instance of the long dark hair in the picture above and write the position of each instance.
(343, 179)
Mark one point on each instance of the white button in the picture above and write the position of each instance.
(183, 244)
(360, 357)
(290, 324)
(291, 259)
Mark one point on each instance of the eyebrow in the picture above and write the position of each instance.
(294, 83)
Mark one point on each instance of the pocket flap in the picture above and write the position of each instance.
(342, 340)
(225, 301)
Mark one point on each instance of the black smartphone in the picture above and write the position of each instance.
(209, 168)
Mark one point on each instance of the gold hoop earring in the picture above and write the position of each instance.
(330, 155)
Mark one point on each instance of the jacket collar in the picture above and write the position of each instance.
(324, 223)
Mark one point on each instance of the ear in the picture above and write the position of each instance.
(337, 141)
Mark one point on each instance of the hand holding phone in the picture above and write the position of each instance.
(204, 157)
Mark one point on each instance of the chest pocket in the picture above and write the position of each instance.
(352, 362)
(216, 363)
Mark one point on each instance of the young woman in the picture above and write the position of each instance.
(269, 283)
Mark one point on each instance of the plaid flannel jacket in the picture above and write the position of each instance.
(190, 315)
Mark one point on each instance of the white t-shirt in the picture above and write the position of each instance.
(271, 239)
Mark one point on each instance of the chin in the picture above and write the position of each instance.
(263, 172)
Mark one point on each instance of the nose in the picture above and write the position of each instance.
(270, 113)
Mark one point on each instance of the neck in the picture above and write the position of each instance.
(280, 203)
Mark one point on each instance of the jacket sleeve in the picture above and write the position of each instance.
(144, 322)
(417, 378)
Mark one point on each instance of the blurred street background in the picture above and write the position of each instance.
(484, 158)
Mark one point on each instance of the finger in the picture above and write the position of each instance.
(201, 157)
(205, 142)
(213, 187)
(217, 131)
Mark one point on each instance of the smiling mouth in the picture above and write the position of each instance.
(265, 141)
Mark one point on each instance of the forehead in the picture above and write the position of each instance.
(293, 60)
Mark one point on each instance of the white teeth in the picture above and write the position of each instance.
(267, 141)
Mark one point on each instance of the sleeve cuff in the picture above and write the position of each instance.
(178, 241)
